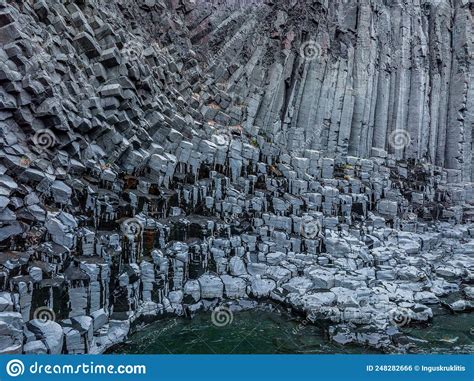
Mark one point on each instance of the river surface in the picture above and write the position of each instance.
(264, 332)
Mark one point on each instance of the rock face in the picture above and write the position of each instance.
(166, 156)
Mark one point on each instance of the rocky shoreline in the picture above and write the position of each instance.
(370, 275)
(268, 328)
(138, 179)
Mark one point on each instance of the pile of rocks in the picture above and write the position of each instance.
(138, 179)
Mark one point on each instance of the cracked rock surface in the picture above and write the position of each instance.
(168, 156)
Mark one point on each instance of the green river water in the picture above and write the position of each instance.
(263, 332)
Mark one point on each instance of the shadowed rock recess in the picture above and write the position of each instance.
(162, 157)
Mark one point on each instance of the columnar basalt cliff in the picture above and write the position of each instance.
(171, 156)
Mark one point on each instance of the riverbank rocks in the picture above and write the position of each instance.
(211, 286)
(49, 333)
(234, 288)
(261, 288)
(11, 332)
(177, 157)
